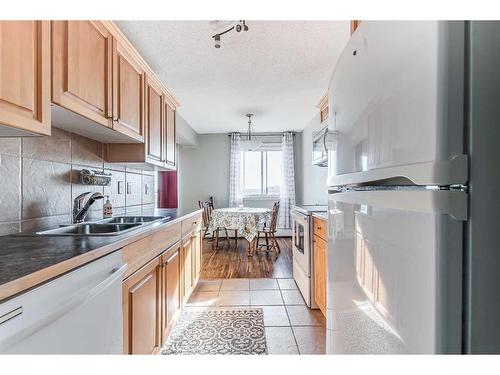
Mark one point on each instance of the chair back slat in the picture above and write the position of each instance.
(274, 216)
(207, 212)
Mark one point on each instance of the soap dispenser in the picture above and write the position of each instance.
(107, 209)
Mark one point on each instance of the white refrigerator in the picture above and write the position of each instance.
(399, 256)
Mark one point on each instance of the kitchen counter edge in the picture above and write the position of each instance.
(321, 215)
(26, 282)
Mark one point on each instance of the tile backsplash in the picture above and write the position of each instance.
(39, 180)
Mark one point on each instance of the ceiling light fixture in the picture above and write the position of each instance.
(240, 26)
(250, 144)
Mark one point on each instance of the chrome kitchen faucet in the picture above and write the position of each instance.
(81, 205)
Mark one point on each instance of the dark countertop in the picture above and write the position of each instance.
(26, 253)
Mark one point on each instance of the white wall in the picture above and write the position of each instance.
(313, 180)
(204, 171)
(185, 135)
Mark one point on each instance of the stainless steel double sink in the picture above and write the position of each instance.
(106, 227)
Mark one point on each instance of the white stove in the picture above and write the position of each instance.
(302, 249)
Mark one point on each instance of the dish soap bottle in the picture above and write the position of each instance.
(107, 209)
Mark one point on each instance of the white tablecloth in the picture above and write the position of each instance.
(246, 220)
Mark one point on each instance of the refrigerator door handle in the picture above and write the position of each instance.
(449, 172)
(453, 203)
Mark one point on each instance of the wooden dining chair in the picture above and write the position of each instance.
(206, 215)
(269, 232)
(211, 203)
(208, 207)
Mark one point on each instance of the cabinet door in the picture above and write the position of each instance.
(142, 309)
(25, 76)
(155, 123)
(197, 254)
(81, 69)
(319, 249)
(128, 93)
(170, 136)
(171, 288)
(187, 268)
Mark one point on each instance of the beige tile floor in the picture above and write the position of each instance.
(291, 327)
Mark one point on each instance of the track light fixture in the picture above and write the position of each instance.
(240, 26)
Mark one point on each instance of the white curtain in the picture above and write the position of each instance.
(235, 197)
(287, 195)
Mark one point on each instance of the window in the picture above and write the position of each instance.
(261, 172)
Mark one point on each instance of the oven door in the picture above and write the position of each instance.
(300, 241)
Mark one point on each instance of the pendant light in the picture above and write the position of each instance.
(251, 143)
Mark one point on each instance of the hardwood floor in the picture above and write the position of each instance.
(229, 262)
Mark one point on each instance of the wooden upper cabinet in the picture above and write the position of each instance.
(99, 78)
(354, 24)
(142, 310)
(128, 92)
(24, 78)
(155, 123)
(170, 135)
(323, 108)
(81, 69)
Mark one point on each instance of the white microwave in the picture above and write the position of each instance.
(323, 141)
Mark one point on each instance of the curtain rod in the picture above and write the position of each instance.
(275, 134)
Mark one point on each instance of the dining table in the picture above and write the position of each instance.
(245, 220)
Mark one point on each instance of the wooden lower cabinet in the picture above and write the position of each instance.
(171, 302)
(186, 267)
(142, 310)
(320, 247)
(154, 294)
(197, 253)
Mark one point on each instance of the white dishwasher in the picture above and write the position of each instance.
(77, 313)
